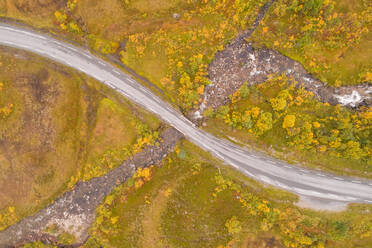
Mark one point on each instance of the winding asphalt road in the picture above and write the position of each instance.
(313, 186)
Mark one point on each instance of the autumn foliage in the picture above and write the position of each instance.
(321, 34)
(189, 48)
(5, 108)
(296, 119)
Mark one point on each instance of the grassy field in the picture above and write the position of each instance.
(57, 127)
(331, 39)
(194, 201)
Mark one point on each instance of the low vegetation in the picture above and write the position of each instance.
(184, 49)
(5, 108)
(332, 39)
(289, 119)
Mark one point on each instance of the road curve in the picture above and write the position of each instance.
(313, 185)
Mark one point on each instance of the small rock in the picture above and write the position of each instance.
(176, 16)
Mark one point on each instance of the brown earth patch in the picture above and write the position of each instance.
(262, 241)
(36, 6)
(27, 144)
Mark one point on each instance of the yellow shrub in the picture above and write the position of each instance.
(289, 121)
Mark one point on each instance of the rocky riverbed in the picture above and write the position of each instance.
(239, 62)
